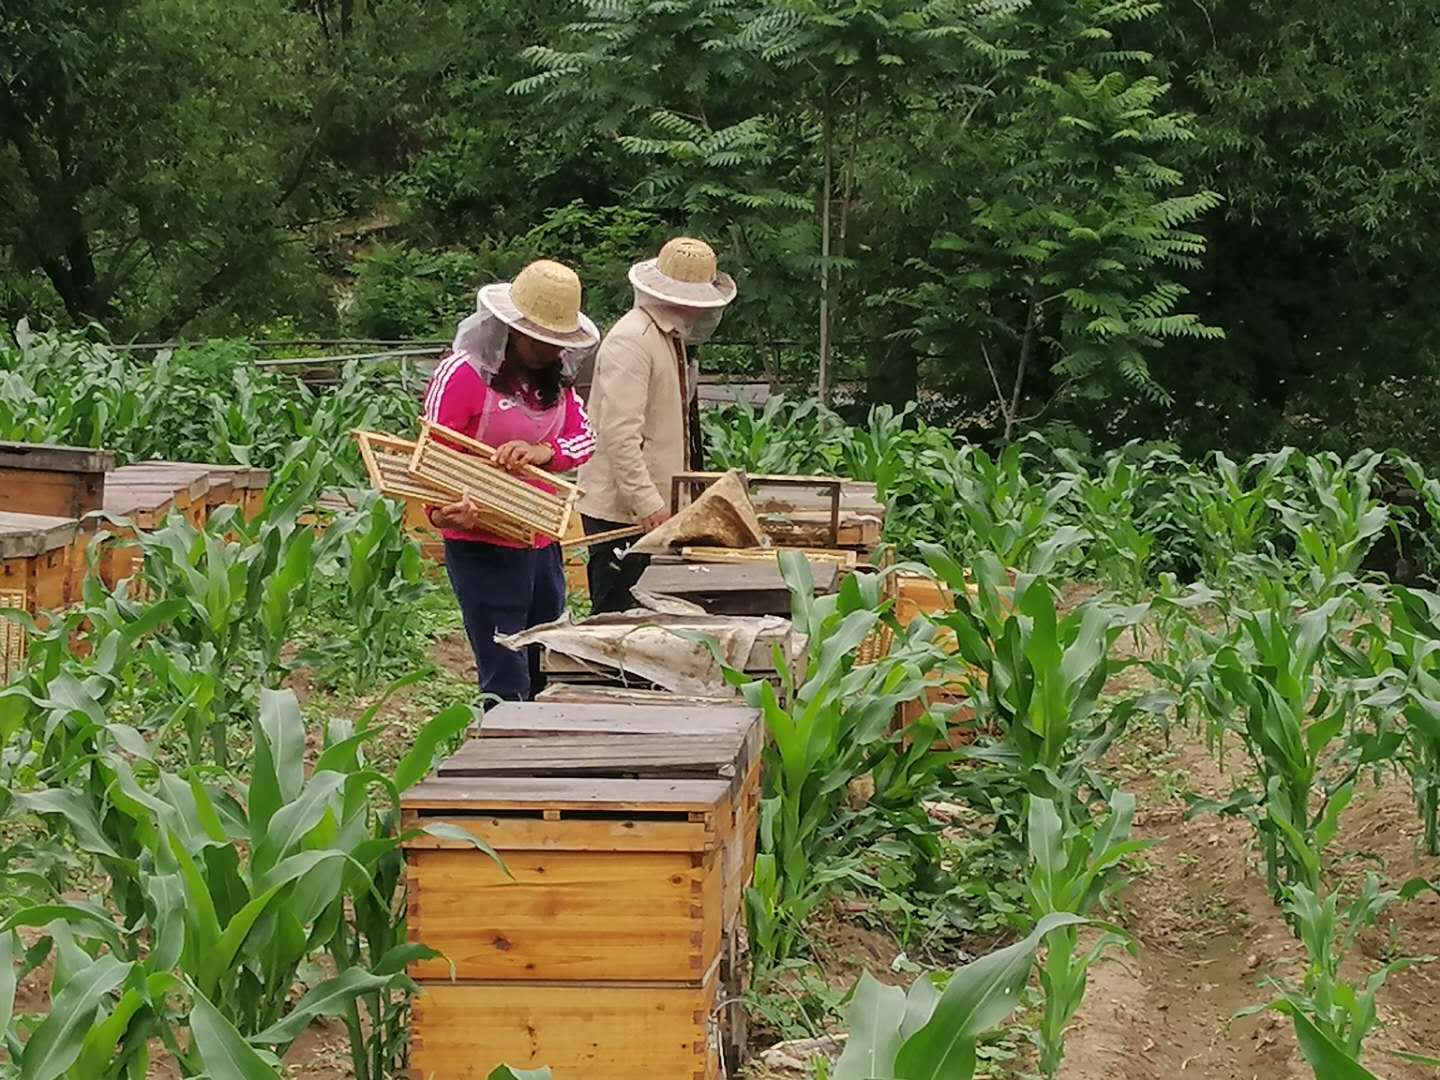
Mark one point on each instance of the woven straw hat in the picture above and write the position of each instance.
(684, 273)
(543, 302)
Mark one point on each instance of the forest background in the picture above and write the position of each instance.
(1209, 222)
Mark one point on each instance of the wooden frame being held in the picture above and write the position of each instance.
(387, 460)
(512, 506)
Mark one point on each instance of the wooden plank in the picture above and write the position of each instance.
(464, 1031)
(597, 755)
(562, 915)
(538, 719)
(131, 499)
(846, 560)
(687, 579)
(732, 589)
(736, 730)
(577, 834)
(53, 457)
(558, 693)
(588, 794)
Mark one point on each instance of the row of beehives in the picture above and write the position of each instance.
(55, 502)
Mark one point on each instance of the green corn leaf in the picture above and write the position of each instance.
(401, 956)
(875, 1016)
(78, 811)
(223, 1052)
(1046, 846)
(293, 821)
(167, 942)
(201, 917)
(1330, 821)
(1416, 1059)
(279, 768)
(102, 1039)
(60, 1038)
(9, 942)
(328, 999)
(416, 764)
(1327, 1059)
(444, 830)
(505, 1072)
(920, 1004)
(85, 916)
(978, 997)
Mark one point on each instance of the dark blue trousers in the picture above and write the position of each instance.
(503, 591)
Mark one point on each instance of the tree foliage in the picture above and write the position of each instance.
(1020, 212)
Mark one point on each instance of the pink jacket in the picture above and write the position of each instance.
(456, 399)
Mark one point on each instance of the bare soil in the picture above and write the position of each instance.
(1209, 936)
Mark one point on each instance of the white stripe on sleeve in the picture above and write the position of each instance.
(441, 379)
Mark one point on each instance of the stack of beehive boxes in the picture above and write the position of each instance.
(45, 494)
(601, 947)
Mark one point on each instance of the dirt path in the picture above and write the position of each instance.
(1209, 934)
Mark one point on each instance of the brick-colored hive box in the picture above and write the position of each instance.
(628, 835)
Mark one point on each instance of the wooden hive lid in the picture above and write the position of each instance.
(610, 756)
(566, 794)
(24, 536)
(189, 481)
(240, 476)
(48, 457)
(597, 739)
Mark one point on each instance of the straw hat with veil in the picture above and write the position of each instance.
(543, 304)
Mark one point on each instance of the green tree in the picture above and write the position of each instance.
(1319, 125)
(752, 119)
(162, 161)
(1051, 271)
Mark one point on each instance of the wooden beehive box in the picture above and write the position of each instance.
(732, 588)
(54, 481)
(146, 494)
(807, 512)
(629, 832)
(42, 568)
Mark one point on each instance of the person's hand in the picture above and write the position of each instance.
(651, 522)
(462, 516)
(514, 456)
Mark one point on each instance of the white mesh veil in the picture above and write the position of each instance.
(694, 326)
(482, 337)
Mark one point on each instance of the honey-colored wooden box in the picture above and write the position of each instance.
(56, 481)
(584, 1031)
(42, 568)
(146, 494)
(628, 834)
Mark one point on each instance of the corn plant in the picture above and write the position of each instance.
(930, 1034)
(1074, 865)
(218, 893)
(1035, 678)
(1224, 513)
(1292, 723)
(1011, 516)
(1406, 655)
(1332, 1015)
(1334, 521)
(1122, 541)
(384, 578)
(826, 728)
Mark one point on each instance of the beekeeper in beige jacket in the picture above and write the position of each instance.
(639, 401)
